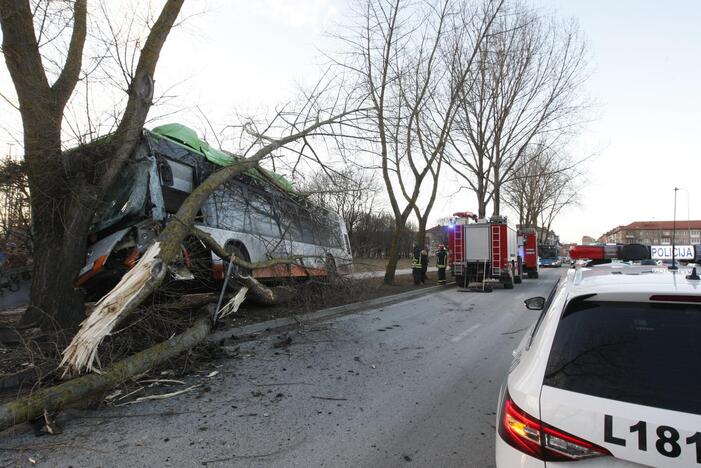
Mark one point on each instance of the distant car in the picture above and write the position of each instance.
(549, 262)
(667, 262)
(608, 373)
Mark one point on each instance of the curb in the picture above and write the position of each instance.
(319, 315)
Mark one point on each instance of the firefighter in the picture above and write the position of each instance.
(416, 264)
(441, 263)
(424, 264)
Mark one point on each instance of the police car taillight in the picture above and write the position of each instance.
(542, 441)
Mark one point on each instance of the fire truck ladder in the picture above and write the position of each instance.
(458, 250)
(496, 250)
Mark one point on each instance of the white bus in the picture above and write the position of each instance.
(249, 215)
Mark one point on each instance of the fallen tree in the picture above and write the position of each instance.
(60, 396)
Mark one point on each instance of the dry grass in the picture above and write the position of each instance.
(377, 264)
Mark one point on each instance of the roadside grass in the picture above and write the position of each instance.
(361, 265)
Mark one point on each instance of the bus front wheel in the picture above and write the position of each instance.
(239, 251)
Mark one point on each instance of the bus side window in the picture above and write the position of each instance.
(231, 207)
(289, 222)
(307, 226)
(262, 215)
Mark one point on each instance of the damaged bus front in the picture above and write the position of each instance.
(250, 216)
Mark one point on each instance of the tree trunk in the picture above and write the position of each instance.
(61, 217)
(421, 235)
(496, 192)
(393, 254)
(71, 392)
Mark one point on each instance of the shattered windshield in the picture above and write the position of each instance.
(126, 197)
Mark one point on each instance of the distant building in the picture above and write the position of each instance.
(654, 233)
(548, 238)
(565, 249)
(436, 235)
(587, 240)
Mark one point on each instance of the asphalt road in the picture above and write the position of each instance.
(412, 384)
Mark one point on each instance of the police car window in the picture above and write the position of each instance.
(642, 353)
(546, 306)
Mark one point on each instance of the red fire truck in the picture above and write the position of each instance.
(483, 251)
(528, 251)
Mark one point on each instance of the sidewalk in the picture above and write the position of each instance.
(379, 274)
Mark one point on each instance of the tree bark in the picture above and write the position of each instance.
(58, 397)
(393, 253)
(63, 198)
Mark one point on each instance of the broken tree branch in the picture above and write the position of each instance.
(58, 397)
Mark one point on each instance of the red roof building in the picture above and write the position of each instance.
(655, 233)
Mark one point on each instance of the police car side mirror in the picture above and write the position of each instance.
(535, 303)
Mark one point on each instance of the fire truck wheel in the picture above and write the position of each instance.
(533, 275)
(508, 284)
(517, 280)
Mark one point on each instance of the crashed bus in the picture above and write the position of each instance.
(256, 216)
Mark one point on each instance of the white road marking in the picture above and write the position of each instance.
(462, 335)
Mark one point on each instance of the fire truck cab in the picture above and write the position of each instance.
(528, 251)
(483, 251)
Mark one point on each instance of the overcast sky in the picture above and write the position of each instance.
(244, 57)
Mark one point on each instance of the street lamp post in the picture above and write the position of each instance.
(674, 228)
(688, 215)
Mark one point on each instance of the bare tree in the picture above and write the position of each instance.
(15, 215)
(67, 188)
(438, 88)
(350, 192)
(526, 87)
(546, 183)
(402, 55)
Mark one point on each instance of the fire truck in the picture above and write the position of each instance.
(483, 252)
(528, 251)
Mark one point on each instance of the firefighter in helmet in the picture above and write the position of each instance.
(416, 264)
(424, 264)
(441, 263)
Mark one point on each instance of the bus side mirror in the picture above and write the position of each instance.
(535, 303)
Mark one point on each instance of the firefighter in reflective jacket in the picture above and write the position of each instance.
(441, 263)
(416, 264)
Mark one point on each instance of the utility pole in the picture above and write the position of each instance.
(674, 228)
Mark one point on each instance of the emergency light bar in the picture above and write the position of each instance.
(627, 252)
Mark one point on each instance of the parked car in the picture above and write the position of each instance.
(550, 262)
(608, 373)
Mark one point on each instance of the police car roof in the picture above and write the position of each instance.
(620, 281)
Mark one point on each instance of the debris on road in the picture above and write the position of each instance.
(162, 396)
(283, 343)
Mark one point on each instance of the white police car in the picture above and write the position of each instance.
(609, 375)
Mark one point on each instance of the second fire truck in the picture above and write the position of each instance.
(483, 252)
